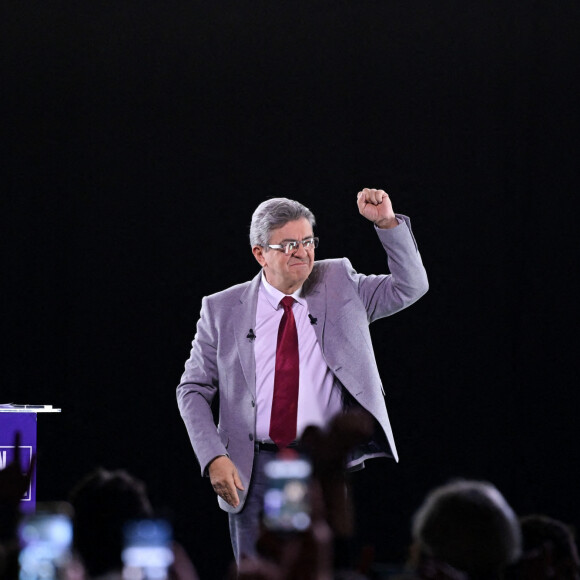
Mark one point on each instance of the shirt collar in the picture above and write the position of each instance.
(273, 295)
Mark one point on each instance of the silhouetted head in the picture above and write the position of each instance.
(103, 501)
(549, 548)
(469, 525)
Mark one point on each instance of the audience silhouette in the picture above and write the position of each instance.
(549, 550)
(463, 530)
(103, 502)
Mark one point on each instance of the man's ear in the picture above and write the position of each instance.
(258, 252)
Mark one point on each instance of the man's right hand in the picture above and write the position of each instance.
(225, 479)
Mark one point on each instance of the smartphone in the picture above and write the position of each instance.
(45, 542)
(287, 496)
(147, 553)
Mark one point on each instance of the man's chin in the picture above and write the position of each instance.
(301, 275)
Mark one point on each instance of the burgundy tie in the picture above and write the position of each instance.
(285, 400)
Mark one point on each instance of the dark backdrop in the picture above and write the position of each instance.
(137, 138)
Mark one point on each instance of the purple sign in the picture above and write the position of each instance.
(25, 423)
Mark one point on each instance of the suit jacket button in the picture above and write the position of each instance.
(251, 437)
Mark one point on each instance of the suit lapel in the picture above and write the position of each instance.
(315, 295)
(244, 315)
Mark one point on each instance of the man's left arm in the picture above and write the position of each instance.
(386, 294)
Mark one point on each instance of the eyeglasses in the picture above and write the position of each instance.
(293, 245)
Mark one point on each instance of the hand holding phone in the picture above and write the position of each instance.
(287, 497)
(45, 542)
(147, 552)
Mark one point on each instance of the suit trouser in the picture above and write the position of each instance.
(245, 525)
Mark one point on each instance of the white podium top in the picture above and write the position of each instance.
(14, 408)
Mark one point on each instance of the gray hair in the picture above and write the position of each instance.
(273, 214)
(469, 525)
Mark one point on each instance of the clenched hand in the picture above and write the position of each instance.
(375, 205)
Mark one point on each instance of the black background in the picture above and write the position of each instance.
(138, 137)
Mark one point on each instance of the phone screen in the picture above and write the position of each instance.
(147, 552)
(287, 499)
(45, 543)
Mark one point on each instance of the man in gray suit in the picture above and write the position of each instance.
(236, 350)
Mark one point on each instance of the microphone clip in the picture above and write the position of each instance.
(251, 336)
(312, 319)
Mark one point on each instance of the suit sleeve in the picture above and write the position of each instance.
(387, 294)
(197, 389)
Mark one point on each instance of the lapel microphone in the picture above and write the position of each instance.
(251, 336)
(312, 319)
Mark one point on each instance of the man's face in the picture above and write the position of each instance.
(287, 272)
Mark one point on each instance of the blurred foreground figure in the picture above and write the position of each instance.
(14, 481)
(103, 502)
(315, 553)
(465, 529)
(549, 551)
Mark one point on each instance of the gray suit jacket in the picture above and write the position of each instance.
(344, 304)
